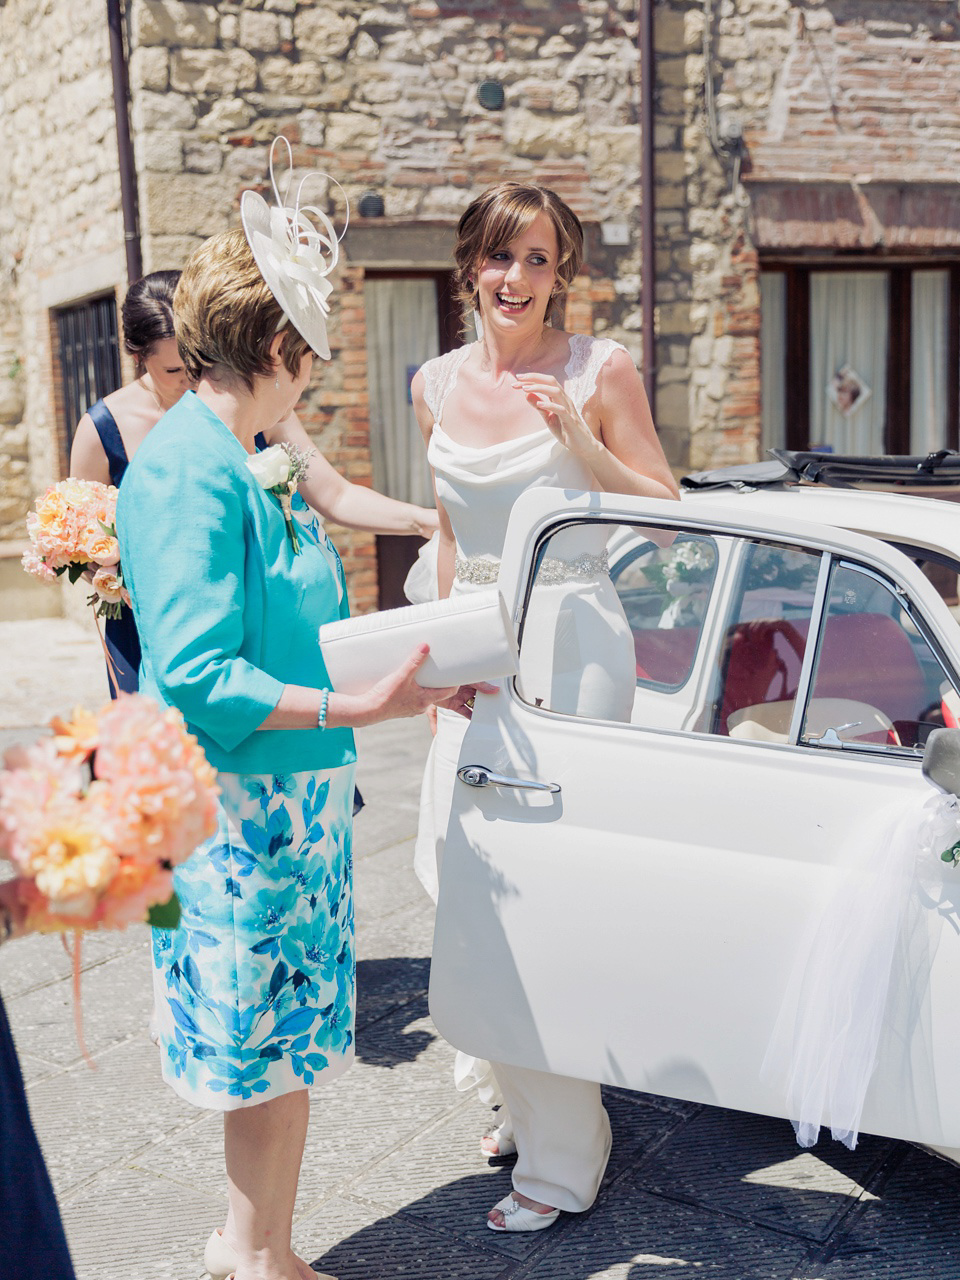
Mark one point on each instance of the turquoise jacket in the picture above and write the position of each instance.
(227, 614)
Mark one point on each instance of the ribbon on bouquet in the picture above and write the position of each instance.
(824, 1048)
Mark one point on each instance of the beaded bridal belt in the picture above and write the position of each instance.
(482, 571)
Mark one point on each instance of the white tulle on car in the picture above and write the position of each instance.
(823, 1050)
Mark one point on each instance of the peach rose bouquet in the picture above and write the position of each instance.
(73, 531)
(96, 817)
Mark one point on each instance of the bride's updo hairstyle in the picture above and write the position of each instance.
(226, 317)
(499, 216)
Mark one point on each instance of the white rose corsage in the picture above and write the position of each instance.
(279, 470)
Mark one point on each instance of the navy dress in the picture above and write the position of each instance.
(123, 642)
(32, 1243)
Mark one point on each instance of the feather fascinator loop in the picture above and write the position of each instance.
(296, 249)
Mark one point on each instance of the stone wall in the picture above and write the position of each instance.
(837, 103)
(59, 216)
(15, 492)
(851, 130)
(384, 97)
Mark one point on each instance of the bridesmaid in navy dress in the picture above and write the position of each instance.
(111, 431)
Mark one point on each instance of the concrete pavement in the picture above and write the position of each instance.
(393, 1182)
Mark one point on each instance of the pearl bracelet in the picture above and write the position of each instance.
(322, 713)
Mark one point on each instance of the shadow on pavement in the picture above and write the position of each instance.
(394, 988)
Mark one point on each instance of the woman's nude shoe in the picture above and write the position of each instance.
(219, 1258)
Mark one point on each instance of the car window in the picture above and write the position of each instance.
(877, 681)
(941, 570)
(664, 590)
(764, 638)
(668, 628)
(709, 632)
(613, 622)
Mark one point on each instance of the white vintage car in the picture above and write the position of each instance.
(624, 902)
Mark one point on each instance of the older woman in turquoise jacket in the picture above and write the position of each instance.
(255, 989)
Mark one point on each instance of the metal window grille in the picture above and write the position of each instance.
(89, 356)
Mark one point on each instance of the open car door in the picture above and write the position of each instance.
(630, 912)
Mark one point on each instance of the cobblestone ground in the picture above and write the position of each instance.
(393, 1182)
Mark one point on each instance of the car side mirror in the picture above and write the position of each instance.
(941, 760)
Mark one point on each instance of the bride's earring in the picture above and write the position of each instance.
(478, 325)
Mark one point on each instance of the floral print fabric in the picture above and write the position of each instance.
(309, 522)
(255, 990)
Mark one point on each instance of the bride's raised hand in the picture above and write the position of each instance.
(558, 411)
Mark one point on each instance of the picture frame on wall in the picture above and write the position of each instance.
(847, 391)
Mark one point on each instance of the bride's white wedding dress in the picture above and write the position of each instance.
(577, 657)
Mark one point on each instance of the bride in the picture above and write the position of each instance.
(530, 404)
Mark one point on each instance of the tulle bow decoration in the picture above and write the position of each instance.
(296, 249)
(880, 923)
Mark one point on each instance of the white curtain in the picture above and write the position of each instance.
(928, 360)
(773, 341)
(401, 334)
(848, 330)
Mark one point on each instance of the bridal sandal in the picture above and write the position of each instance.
(517, 1218)
(503, 1140)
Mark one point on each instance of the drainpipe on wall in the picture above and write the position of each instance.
(129, 202)
(648, 248)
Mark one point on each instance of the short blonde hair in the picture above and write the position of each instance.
(500, 215)
(224, 314)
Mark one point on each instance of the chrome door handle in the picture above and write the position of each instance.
(478, 775)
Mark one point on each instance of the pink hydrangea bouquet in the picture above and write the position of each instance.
(72, 528)
(97, 816)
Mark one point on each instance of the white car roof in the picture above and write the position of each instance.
(931, 523)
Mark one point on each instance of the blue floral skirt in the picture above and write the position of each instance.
(255, 989)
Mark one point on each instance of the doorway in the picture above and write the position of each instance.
(411, 317)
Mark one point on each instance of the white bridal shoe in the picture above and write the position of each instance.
(502, 1140)
(517, 1218)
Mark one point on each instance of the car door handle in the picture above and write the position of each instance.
(478, 775)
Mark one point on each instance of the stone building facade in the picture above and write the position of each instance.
(795, 145)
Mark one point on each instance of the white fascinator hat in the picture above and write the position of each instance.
(295, 249)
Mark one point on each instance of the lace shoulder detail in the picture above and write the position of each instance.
(439, 377)
(587, 357)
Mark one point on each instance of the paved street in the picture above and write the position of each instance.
(393, 1182)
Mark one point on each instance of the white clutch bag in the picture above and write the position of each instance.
(470, 638)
